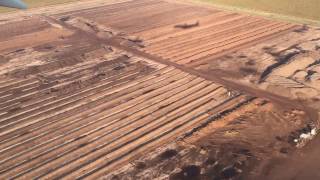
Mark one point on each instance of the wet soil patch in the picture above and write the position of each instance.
(302, 29)
(309, 74)
(140, 165)
(317, 62)
(44, 48)
(282, 58)
(191, 172)
(17, 51)
(168, 154)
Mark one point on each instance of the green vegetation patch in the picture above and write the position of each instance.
(305, 9)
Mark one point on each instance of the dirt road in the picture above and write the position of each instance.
(87, 89)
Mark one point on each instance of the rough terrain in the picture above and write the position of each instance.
(121, 89)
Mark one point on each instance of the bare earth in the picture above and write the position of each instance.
(156, 89)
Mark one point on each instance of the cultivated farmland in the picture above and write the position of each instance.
(152, 89)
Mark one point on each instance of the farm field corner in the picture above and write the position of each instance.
(293, 9)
